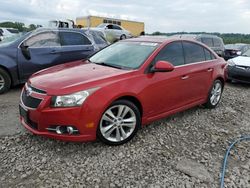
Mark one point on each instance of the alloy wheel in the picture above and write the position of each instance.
(2, 82)
(118, 123)
(216, 93)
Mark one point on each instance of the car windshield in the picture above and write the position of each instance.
(124, 55)
(11, 39)
(247, 53)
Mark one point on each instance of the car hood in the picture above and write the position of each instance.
(75, 76)
(241, 61)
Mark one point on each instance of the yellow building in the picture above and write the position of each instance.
(136, 28)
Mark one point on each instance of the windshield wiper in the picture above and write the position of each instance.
(109, 65)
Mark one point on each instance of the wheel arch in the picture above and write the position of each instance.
(222, 80)
(134, 100)
(9, 73)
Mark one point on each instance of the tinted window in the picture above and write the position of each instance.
(172, 53)
(207, 41)
(207, 54)
(44, 39)
(217, 42)
(193, 52)
(98, 38)
(72, 38)
(116, 27)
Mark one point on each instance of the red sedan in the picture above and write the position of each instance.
(121, 88)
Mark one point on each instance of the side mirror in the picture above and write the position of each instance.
(25, 51)
(162, 66)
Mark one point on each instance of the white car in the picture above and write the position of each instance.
(239, 68)
(114, 32)
(7, 32)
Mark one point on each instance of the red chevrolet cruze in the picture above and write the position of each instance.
(121, 88)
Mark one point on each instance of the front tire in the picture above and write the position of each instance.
(119, 123)
(215, 94)
(5, 81)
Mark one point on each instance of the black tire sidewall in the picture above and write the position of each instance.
(7, 81)
(123, 37)
(138, 122)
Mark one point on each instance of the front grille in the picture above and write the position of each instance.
(32, 124)
(37, 90)
(30, 101)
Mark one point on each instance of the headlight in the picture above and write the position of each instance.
(74, 99)
(230, 62)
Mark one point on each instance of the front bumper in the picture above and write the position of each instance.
(238, 73)
(39, 119)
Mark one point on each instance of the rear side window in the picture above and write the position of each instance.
(73, 38)
(207, 41)
(98, 38)
(116, 27)
(172, 53)
(208, 55)
(217, 42)
(193, 52)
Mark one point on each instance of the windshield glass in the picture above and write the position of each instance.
(247, 53)
(11, 39)
(130, 55)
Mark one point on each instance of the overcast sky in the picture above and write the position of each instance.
(226, 16)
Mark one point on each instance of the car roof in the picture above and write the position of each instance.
(56, 29)
(194, 36)
(160, 39)
(157, 39)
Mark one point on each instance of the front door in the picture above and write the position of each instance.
(38, 52)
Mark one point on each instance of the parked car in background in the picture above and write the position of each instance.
(22, 56)
(7, 32)
(98, 37)
(234, 50)
(239, 68)
(114, 32)
(121, 88)
(214, 42)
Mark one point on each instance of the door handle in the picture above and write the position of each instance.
(184, 77)
(209, 70)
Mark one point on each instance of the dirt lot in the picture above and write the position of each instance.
(185, 150)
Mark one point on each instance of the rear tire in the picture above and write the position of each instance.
(215, 94)
(119, 123)
(5, 81)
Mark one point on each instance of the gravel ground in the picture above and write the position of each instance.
(185, 150)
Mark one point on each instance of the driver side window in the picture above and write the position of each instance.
(172, 53)
(45, 39)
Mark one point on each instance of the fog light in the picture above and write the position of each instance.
(59, 130)
(70, 130)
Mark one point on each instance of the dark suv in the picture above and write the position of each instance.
(22, 56)
(214, 42)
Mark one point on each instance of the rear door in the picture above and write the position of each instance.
(38, 52)
(199, 67)
(74, 46)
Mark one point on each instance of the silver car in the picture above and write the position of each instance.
(114, 32)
